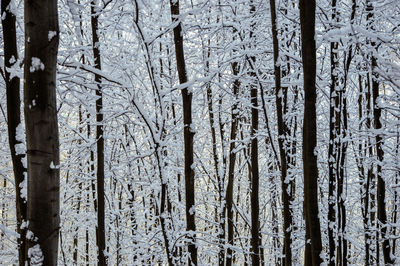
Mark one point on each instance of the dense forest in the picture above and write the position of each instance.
(200, 132)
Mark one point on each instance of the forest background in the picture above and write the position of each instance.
(205, 131)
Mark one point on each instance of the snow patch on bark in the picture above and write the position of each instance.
(52, 34)
(36, 65)
(35, 255)
(52, 166)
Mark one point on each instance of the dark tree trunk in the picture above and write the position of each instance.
(164, 202)
(79, 193)
(364, 179)
(396, 193)
(41, 22)
(371, 178)
(188, 133)
(334, 123)
(254, 197)
(14, 119)
(231, 166)
(100, 230)
(282, 133)
(342, 249)
(380, 193)
(255, 208)
(307, 21)
(87, 229)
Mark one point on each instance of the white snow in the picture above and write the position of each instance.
(52, 34)
(35, 255)
(8, 232)
(52, 166)
(20, 148)
(29, 234)
(12, 60)
(24, 224)
(36, 65)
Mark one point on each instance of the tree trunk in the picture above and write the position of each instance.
(395, 197)
(307, 21)
(14, 119)
(188, 133)
(255, 179)
(41, 47)
(282, 133)
(79, 194)
(100, 232)
(231, 167)
(371, 178)
(254, 169)
(334, 123)
(255, 242)
(380, 193)
(364, 179)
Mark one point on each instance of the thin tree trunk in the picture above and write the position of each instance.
(131, 196)
(380, 193)
(341, 177)
(87, 229)
(231, 166)
(371, 180)
(364, 179)
(255, 243)
(14, 119)
(334, 123)
(100, 230)
(254, 169)
(307, 21)
(4, 207)
(80, 116)
(76, 233)
(79, 196)
(343, 146)
(188, 133)
(178, 250)
(163, 214)
(41, 22)
(395, 199)
(282, 133)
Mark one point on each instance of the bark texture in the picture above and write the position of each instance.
(231, 166)
(282, 132)
(188, 133)
(41, 47)
(377, 111)
(100, 230)
(334, 123)
(313, 230)
(254, 169)
(14, 118)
